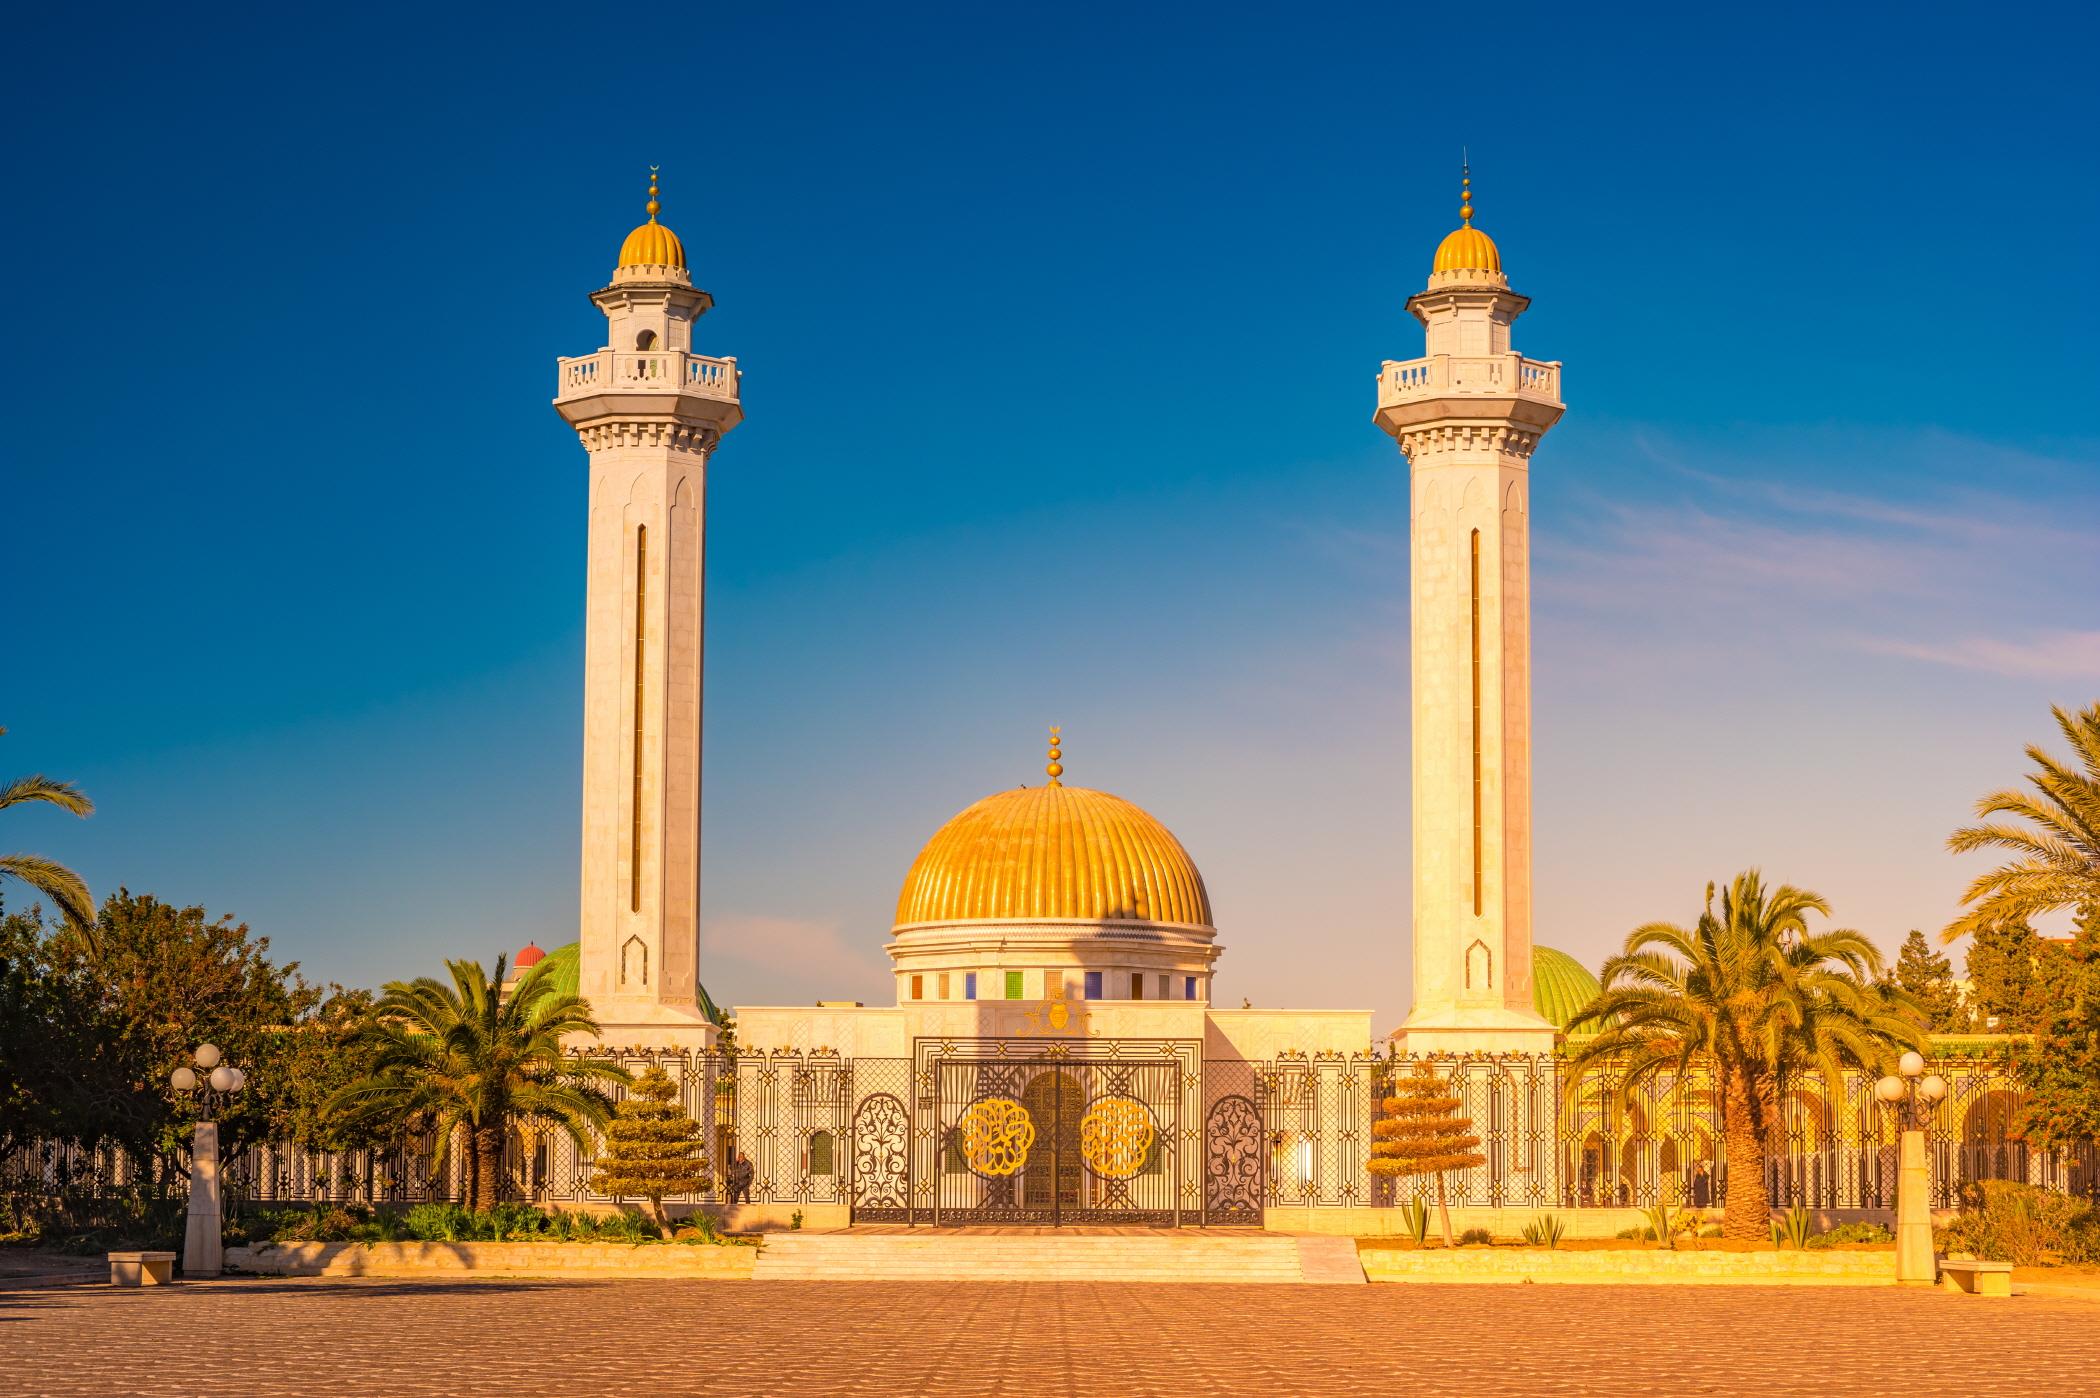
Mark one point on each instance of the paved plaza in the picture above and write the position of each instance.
(1041, 1340)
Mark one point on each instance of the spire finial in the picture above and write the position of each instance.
(1056, 768)
(653, 205)
(1465, 188)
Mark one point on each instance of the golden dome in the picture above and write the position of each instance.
(1053, 853)
(1466, 248)
(652, 244)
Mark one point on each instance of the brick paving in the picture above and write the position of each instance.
(1045, 1340)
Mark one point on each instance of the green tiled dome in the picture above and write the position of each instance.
(1560, 986)
(563, 966)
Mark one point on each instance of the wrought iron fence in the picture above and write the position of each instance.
(1226, 1139)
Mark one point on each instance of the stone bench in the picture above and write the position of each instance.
(141, 1268)
(1977, 1278)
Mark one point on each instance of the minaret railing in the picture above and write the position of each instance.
(1405, 380)
(665, 370)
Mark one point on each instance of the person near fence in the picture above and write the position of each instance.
(740, 1176)
(1702, 1187)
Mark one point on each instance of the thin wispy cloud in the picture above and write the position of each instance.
(2065, 654)
(803, 957)
(1938, 571)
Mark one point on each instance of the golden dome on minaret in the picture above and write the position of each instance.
(1466, 248)
(1053, 853)
(652, 244)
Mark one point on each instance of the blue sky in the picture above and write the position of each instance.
(1059, 330)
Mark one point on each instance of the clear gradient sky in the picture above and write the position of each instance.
(1059, 328)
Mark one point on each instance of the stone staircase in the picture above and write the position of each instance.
(1057, 1255)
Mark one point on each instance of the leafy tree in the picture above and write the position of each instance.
(56, 1082)
(1758, 996)
(91, 1027)
(466, 1060)
(172, 978)
(652, 1148)
(55, 881)
(1928, 976)
(2062, 1077)
(2016, 979)
(2057, 867)
(1423, 1134)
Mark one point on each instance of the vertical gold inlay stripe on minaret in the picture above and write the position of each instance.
(1476, 723)
(641, 619)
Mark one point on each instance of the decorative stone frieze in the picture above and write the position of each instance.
(674, 436)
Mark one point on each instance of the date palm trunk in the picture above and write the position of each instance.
(1747, 1203)
(488, 1166)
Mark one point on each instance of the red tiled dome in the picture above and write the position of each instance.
(528, 958)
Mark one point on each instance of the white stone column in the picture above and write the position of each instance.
(202, 1255)
(1468, 415)
(650, 412)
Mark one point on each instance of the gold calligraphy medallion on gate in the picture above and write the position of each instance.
(995, 1135)
(1115, 1137)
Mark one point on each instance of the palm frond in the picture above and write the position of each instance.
(37, 787)
(68, 894)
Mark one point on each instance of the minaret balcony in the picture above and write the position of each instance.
(647, 371)
(649, 385)
(1509, 386)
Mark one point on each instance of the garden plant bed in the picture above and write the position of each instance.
(1715, 1262)
(492, 1259)
(1616, 1245)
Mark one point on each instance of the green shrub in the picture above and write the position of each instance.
(304, 1223)
(440, 1223)
(1544, 1231)
(1475, 1235)
(1415, 1214)
(2002, 1221)
(1852, 1233)
(1638, 1235)
(1794, 1230)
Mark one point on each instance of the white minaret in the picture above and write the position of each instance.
(1468, 414)
(649, 412)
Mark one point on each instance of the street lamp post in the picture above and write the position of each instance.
(1913, 1093)
(202, 1255)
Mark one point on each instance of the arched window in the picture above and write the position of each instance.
(646, 340)
(641, 637)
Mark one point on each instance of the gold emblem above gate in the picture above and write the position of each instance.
(1115, 1137)
(995, 1135)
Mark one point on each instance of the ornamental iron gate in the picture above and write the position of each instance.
(1069, 1131)
(1058, 1141)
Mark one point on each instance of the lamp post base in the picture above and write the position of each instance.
(202, 1252)
(1915, 1263)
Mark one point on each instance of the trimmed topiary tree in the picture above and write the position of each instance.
(1423, 1134)
(652, 1148)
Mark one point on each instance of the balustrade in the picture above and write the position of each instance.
(654, 370)
(1402, 380)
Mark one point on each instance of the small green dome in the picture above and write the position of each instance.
(1561, 986)
(564, 967)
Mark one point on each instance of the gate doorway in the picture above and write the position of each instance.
(1059, 1141)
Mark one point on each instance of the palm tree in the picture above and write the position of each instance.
(47, 876)
(466, 1059)
(2059, 863)
(1754, 994)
